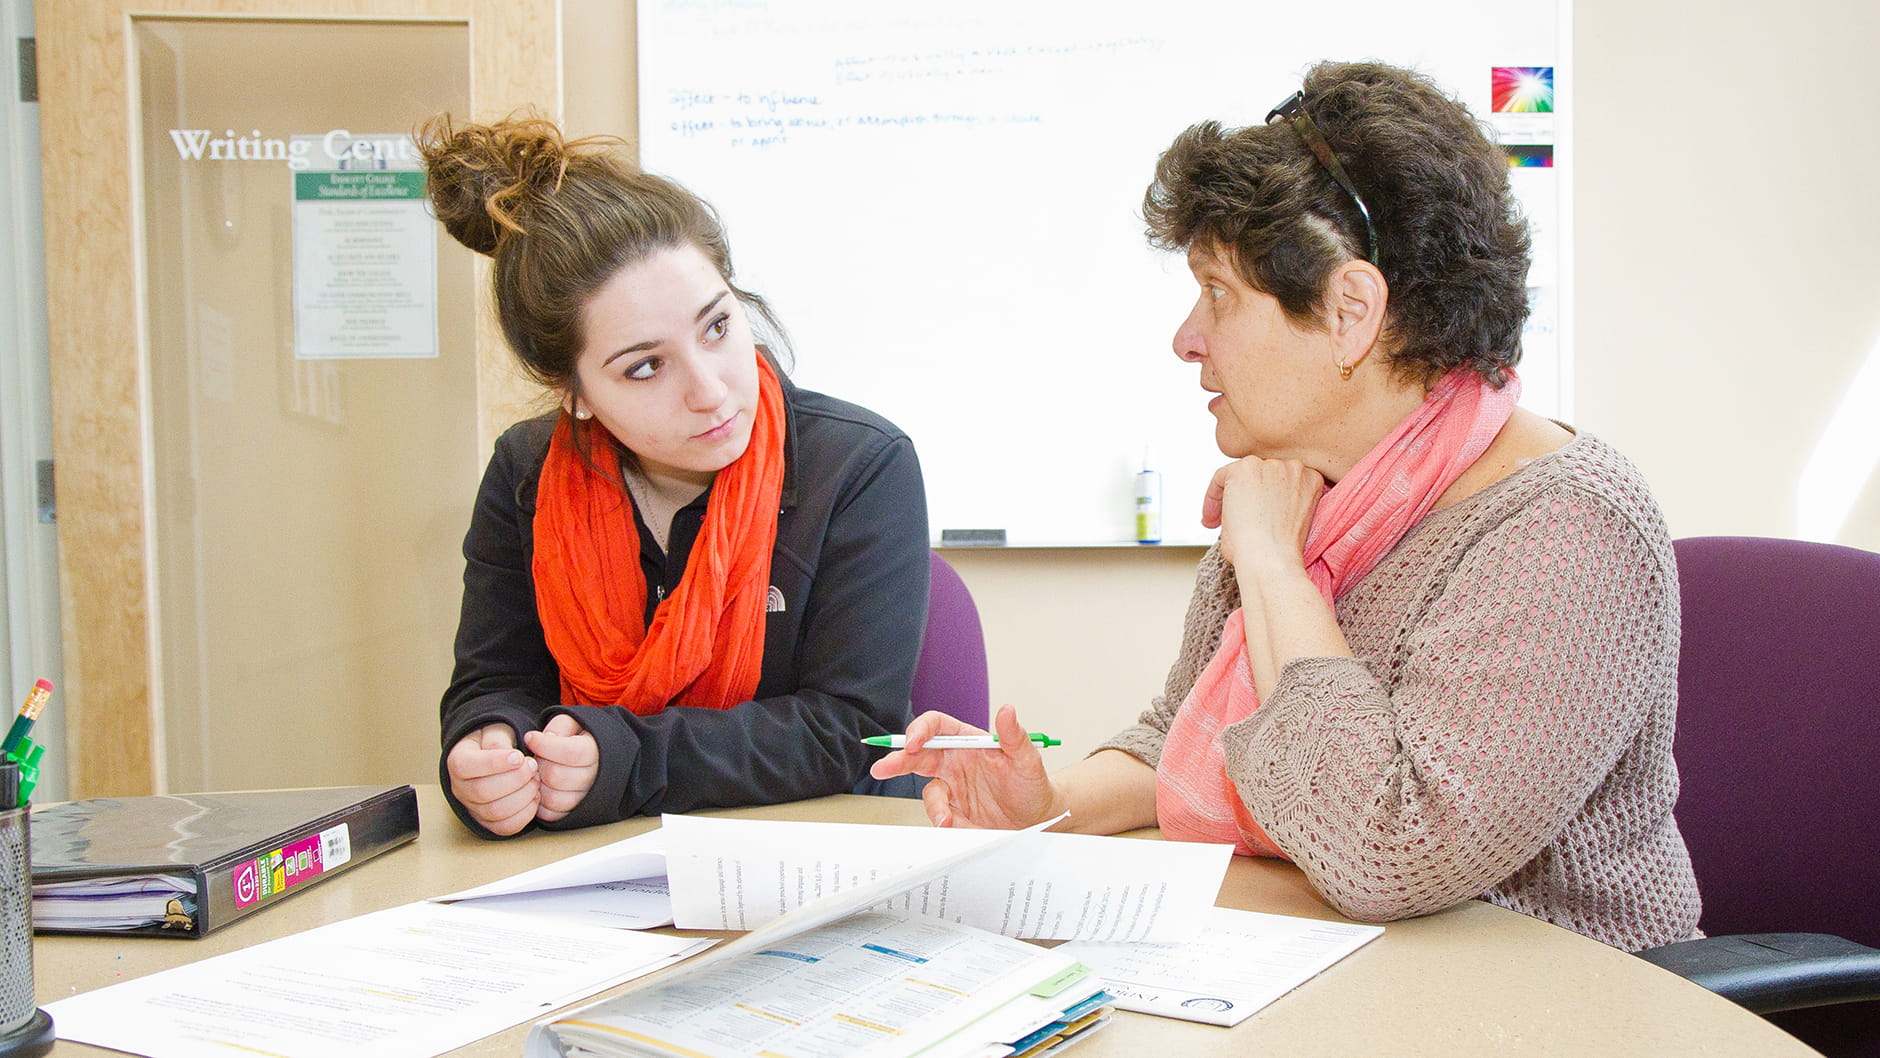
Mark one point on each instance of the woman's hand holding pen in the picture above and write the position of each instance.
(493, 779)
(567, 762)
(998, 789)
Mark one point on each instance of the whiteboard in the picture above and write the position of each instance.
(942, 202)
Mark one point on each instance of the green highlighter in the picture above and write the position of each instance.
(956, 741)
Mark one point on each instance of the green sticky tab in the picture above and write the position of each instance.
(1058, 982)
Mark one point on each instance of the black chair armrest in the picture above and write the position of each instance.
(1767, 972)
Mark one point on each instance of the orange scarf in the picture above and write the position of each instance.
(705, 646)
(1358, 521)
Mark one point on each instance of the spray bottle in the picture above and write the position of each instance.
(1148, 500)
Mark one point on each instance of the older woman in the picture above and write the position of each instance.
(1434, 655)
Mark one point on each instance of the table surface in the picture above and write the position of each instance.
(1473, 980)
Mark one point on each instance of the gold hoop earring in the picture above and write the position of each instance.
(1344, 370)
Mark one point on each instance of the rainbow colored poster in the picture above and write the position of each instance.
(1524, 89)
(1530, 155)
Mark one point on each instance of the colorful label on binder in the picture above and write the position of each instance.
(276, 872)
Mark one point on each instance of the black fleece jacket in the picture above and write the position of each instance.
(852, 568)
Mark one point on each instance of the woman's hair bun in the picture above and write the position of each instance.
(482, 177)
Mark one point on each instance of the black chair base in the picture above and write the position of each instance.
(1769, 972)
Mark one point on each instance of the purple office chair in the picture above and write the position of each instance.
(1778, 750)
(951, 673)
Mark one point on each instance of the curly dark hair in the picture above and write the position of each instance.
(559, 218)
(1451, 241)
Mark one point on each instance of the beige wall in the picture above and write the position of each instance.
(1727, 292)
(1727, 282)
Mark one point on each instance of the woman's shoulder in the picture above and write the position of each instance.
(528, 437)
(841, 442)
(1584, 489)
(822, 412)
(1575, 524)
(1583, 462)
(1588, 465)
(516, 464)
(1524, 438)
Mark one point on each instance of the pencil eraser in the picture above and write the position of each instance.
(973, 537)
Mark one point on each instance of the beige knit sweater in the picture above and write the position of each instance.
(1505, 730)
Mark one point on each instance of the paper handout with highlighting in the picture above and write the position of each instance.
(741, 874)
(1241, 962)
(870, 984)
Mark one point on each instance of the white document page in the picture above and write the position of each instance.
(1241, 962)
(742, 873)
(409, 981)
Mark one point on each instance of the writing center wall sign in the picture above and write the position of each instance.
(365, 250)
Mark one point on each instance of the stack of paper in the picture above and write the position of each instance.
(97, 904)
(855, 951)
(863, 941)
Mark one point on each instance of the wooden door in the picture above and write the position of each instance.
(257, 546)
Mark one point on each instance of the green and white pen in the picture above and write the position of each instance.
(956, 741)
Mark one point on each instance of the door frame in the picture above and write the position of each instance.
(99, 346)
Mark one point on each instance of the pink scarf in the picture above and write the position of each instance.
(1358, 521)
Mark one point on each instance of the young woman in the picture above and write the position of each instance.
(694, 584)
(1434, 656)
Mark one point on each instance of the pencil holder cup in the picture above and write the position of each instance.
(24, 1028)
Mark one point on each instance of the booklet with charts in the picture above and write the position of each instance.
(182, 865)
(835, 979)
(873, 984)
